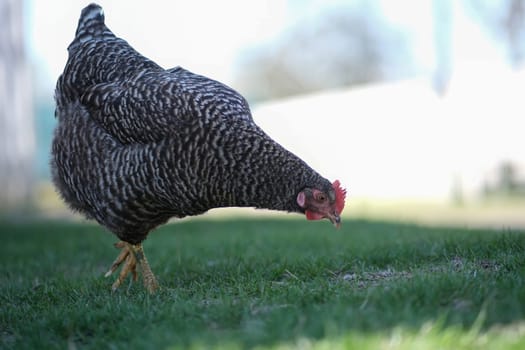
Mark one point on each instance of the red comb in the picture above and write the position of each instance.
(340, 195)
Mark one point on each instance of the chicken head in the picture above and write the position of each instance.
(319, 205)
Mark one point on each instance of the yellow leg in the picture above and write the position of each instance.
(150, 282)
(131, 255)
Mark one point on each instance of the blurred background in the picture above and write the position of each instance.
(414, 105)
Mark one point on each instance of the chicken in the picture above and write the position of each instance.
(136, 145)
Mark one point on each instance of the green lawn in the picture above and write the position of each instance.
(266, 283)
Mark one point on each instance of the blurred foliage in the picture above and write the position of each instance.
(509, 182)
(506, 20)
(337, 47)
(349, 45)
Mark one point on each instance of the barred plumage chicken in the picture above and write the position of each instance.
(136, 145)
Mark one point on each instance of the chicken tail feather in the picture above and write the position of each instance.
(92, 14)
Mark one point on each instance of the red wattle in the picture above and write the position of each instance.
(310, 215)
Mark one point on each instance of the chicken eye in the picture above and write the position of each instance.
(321, 197)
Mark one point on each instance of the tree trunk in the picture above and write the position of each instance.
(17, 139)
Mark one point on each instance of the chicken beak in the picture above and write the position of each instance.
(335, 219)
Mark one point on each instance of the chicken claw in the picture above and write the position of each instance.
(131, 255)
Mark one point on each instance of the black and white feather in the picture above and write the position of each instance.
(137, 144)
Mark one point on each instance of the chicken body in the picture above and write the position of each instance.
(137, 144)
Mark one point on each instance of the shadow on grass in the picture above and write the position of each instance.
(255, 282)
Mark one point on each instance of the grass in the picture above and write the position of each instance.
(266, 283)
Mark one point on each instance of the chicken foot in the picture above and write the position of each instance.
(131, 255)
